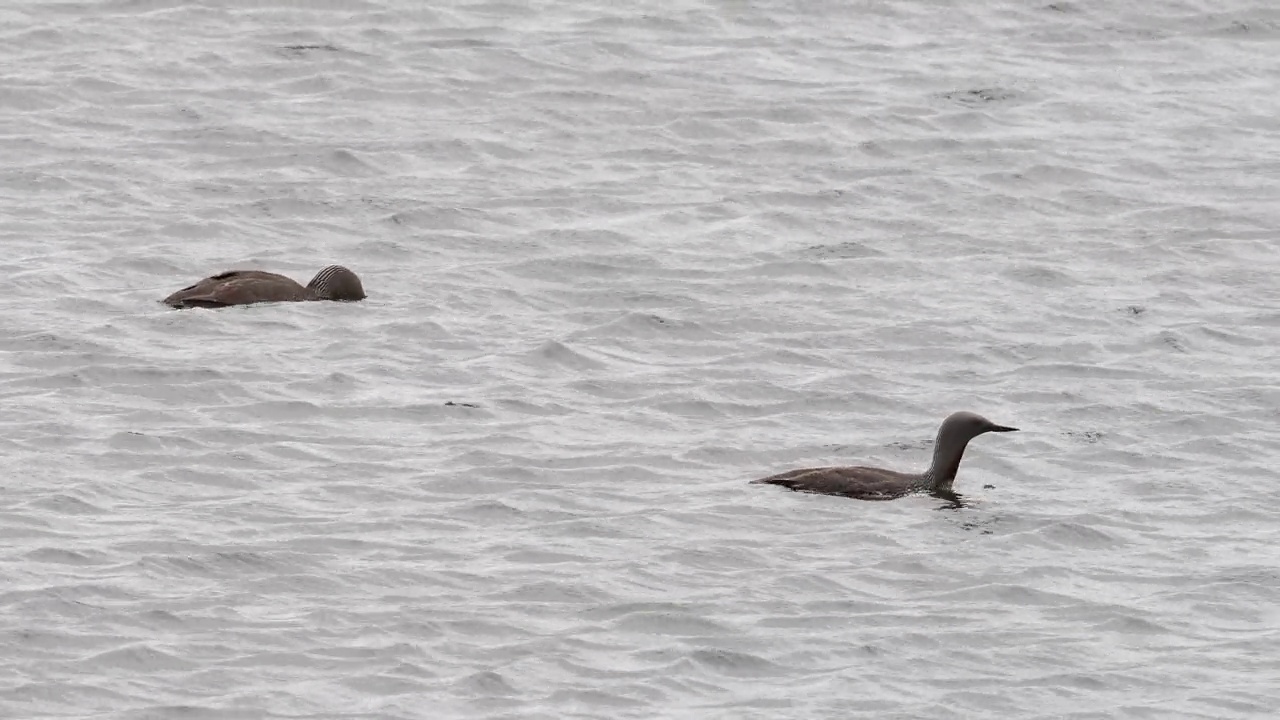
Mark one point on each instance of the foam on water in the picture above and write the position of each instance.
(621, 260)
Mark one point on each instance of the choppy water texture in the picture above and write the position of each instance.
(621, 259)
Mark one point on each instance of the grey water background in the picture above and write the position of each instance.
(621, 259)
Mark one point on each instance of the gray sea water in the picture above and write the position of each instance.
(622, 259)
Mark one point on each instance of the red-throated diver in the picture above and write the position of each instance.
(245, 287)
(867, 483)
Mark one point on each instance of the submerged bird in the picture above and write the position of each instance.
(245, 287)
(868, 483)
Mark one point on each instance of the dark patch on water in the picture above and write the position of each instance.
(980, 96)
(951, 500)
(841, 251)
(300, 50)
(1089, 436)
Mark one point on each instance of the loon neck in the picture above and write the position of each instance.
(947, 453)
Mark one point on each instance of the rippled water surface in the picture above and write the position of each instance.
(621, 259)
